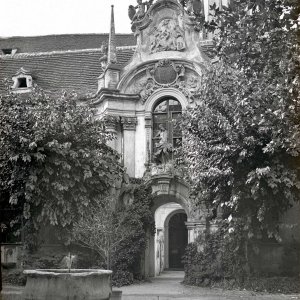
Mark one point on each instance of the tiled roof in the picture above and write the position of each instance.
(62, 42)
(76, 70)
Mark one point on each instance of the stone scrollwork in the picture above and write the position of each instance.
(167, 36)
(166, 73)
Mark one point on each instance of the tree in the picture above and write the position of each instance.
(54, 161)
(242, 141)
(117, 229)
(101, 230)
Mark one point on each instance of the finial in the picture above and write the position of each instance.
(112, 51)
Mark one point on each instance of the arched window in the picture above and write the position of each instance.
(165, 113)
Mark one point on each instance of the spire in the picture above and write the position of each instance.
(112, 52)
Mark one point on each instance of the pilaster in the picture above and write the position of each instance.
(129, 126)
(148, 128)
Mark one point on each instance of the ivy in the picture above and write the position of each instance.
(138, 221)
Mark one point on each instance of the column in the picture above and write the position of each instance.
(129, 126)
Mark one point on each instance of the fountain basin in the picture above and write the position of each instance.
(60, 284)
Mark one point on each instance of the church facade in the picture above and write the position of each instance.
(140, 84)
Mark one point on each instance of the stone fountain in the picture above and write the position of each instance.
(68, 284)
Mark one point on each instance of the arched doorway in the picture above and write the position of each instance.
(171, 237)
(170, 198)
(178, 240)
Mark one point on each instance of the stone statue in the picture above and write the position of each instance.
(163, 147)
(136, 13)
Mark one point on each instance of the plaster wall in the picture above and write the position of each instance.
(140, 146)
(129, 151)
(290, 226)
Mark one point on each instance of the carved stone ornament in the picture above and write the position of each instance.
(136, 13)
(129, 123)
(111, 122)
(167, 36)
(166, 73)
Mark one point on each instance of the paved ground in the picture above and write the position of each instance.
(168, 286)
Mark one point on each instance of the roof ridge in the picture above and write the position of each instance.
(48, 53)
(126, 47)
(62, 34)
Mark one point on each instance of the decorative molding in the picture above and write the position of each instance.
(111, 122)
(148, 121)
(129, 123)
(167, 36)
(165, 73)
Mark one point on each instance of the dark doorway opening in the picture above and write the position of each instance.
(178, 239)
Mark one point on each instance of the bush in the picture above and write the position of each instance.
(121, 278)
(217, 261)
(282, 285)
(14, 277)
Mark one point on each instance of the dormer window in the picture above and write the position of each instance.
(22, 81)
(8, 51)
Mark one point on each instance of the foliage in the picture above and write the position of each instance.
(138, 221)
(216, 261)
(117, 230)
(43, 260)
(259, 37)
(54, 161)
(14, 277)
(242, 140)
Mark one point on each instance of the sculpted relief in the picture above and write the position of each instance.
(166, 73)
(167, 36)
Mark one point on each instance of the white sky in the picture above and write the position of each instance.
(43, 17)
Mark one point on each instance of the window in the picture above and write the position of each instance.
(165, 114)
(22, 82)
(8, 51)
